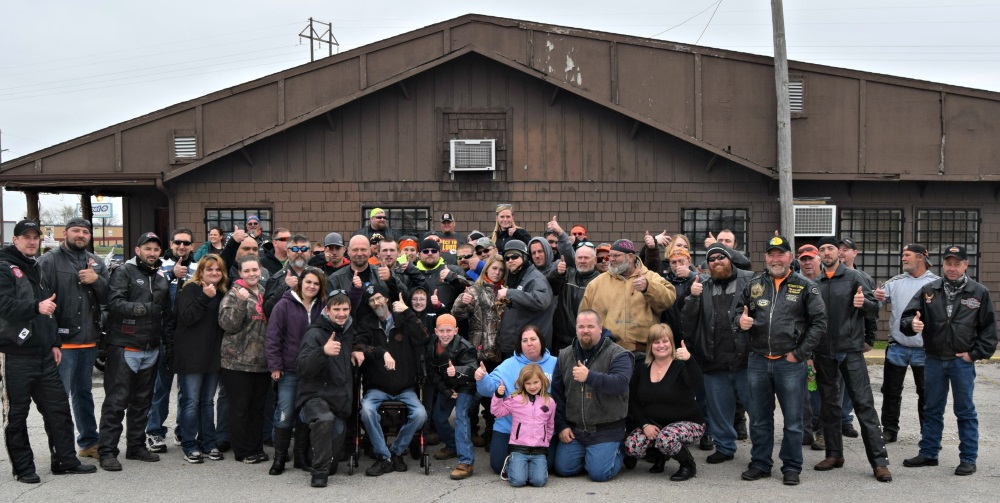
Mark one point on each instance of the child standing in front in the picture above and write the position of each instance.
(533, 414)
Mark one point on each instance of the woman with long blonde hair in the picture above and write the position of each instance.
(505, 228)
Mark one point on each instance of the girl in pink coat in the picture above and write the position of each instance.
(533, 413)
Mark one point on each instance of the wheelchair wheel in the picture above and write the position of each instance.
(351, 463)
(425, 461)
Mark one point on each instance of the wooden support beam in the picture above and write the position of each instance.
(330, 123)
(246, 156)
(404, 90)
(555, 96)
(87, 212)
(635, 130)
(32, 197)
(711, 163)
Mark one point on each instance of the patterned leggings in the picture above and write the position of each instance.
(671, 439)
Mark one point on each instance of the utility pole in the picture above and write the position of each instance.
(2, 150)
(322, 38)
(784, 122)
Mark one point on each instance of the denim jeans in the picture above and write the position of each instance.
(498, 450)
(527, 469)
(161, 397)
(960, 375)
(284, 401)
(784, 379)
(722, 389)
(76, 372)
(601, 461)
(140, 360)
(458, 438)
(372, 422)
(196, 413)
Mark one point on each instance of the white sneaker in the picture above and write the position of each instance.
(177, 439)
(194, 457)
(155, 443)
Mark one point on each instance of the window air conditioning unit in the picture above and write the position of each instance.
(815, 220)
(473, 155)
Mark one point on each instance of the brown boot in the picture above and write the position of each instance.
(882, 474)
(462, 471)
(829, 464)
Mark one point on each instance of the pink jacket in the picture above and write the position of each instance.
(533, 422)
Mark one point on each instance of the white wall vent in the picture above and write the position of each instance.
(796, 96)
(473, 155)
(185, 147)
(815, 220)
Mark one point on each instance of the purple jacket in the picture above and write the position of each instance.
(288, 322)
(533, 421)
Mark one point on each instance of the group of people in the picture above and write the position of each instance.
(577, 357)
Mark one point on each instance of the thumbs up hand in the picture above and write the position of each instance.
(239, 234)
(47, 306)
(697, 287)
(710, 240)
(649, 240)
(501, 389)
(332, 346)
(580, 372)
(682, 352)
(880, 293)
(553, 225)
(443, 277)
(208, 289)
(384, 272)
(467, 297)
(180, 271)
(663, 239)
(745, 320)
(918, 326)
(356, 281)
(859, 299)
(400, 305)
(451, 369)
(89, 275)
(561, 267)
(435, 303)
(481, 372)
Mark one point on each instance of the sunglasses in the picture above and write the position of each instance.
(466, 257)
(281, 239)
(581, 234)
(337, 292)
(298, 249)
(178, 242)
(716, 258)
(317, 252)
(482, 252)
(604, 258)
(429, 251)
(508, 258)
(379, 217)
(252, 223)
(586, 243)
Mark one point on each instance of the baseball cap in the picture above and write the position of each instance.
(919, 250)
(476, 235)
(333, 239)
(253, 218)
(484, 242)
(375, 211)
(429, 244)
(25, 226)
(376, 238)
(957, 252)
(808, 251)
(446, 217)
(604, 247)
(848, 242)
(79, 222)
(779, 243)
(147, 237)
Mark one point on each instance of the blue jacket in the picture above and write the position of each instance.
(507, 372)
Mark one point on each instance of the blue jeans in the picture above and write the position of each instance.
(140, 360)
(722, 389)
(161, 397)
(284, 401)
(372, 422)
(781, 378)
(961, 376)
(196, 413)
(601, 461)
(901, 356)
(498, 450)
(527, 469)
(76, 371)
(458, 438)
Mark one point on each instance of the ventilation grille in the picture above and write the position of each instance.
(185, 147)
(815, 220)
(473, 155)
(796, 90)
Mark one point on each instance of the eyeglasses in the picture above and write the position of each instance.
(379, 217)
(508, 258)
(429, 251)
(466, 257)
(604, 258)
(249, 224)
(281, 239)
(298, 249)
(178, 242)
(716, 258)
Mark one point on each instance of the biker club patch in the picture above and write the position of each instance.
(17, 271)
(928, 297)
(756, 290)
(971, 303)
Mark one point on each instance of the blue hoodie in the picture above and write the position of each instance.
(507, 371)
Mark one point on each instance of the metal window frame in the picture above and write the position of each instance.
(929, 230)
(878, 233)
(225, 218)
(416, 220)
(696, 223)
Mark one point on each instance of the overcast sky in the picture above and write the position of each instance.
(68, 67)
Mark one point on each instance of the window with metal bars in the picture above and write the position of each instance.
(407, 221)
(878, 233)
(227, 218)
(939, 229)
(697, 223)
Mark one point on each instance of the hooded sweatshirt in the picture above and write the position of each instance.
(507, 371)
(285, 327)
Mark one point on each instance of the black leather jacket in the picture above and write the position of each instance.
(845, 323)
(972, 326)
(729, 352)
(78, 310)
(789, 319)
(22, 288)
(138, 306)
(324, 376)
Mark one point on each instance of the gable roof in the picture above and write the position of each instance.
(598, 66)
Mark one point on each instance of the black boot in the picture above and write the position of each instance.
(688, 468)
(300, 450)
(282, 437)
(659, 463)
(320, 434)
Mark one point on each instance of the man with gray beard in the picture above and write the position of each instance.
(570, 283)
(297, 252)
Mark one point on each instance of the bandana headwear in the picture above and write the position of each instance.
(446, 319)
(679, 252)
(624, 246)
(407, 242)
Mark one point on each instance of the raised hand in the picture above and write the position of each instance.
(467, 297)
(356, 281)
(710, 240)
(745, 320)
(400, 305)
(663, 239)
(859, 299)
(209, 290)
(47, 306)
(580, 372)
(553, 225)
(480, 372)
(239, 234)
(435, 303)
(880, 293)
(451, 369)
(682, 352)
(88, 275)
(918, 326)
(501, 389)
(649, 240)
(697, 287)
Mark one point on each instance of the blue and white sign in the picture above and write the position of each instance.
(100, 210)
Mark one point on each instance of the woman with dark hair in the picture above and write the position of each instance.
(528, 348)
(244, 371)
(196, 357)
(662, 404)
(295, 311)
(215, 244)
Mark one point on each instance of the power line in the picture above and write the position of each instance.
(688, 19)
(709, 22)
